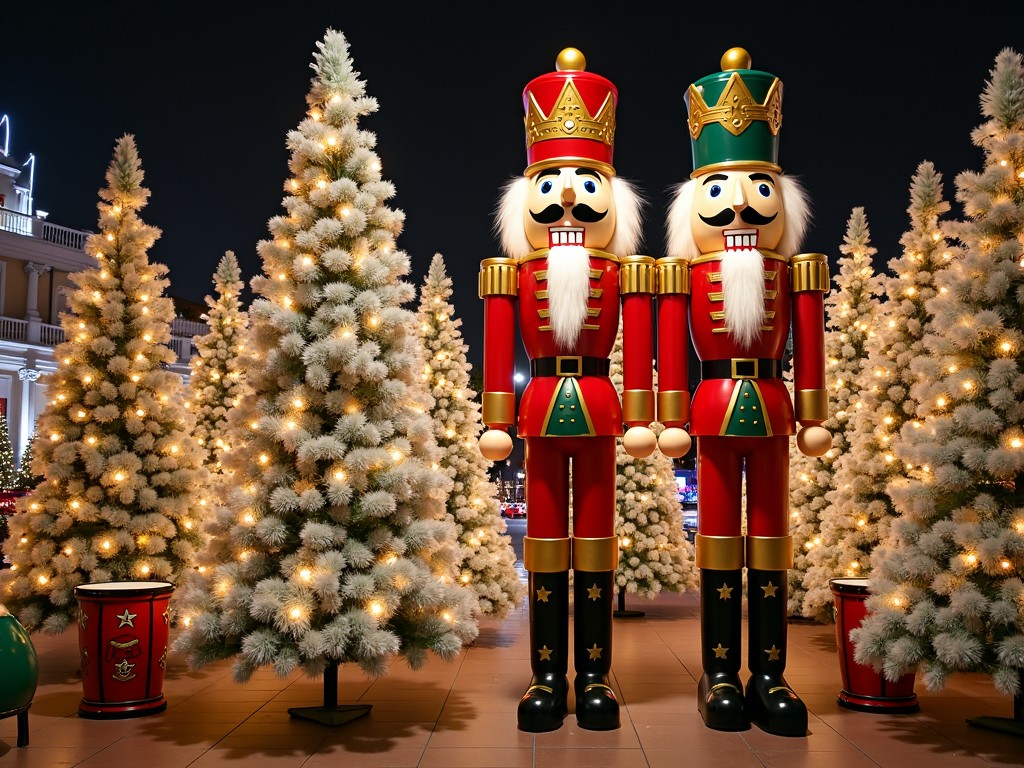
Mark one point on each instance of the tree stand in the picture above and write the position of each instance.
(620, 611)
(331, 713)
(1013, 726)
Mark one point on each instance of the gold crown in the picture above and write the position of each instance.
(736, 108)
(569, 118)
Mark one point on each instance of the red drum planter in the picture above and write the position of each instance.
(864, 689)
(123, 632)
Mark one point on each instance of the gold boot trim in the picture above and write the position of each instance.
(595, 554)
(719, 553)
(547, 555)
(770, 553)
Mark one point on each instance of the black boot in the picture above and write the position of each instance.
(597, 709)
(771, 703)
(720, 691)
(543, 706)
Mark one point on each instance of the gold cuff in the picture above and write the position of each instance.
(673, 405)
(595, 554)
(673, 275)
(636, 275)
(719, 553)
(498, 408)
(547, 555)
(770, 553)
(808, 272)
(498, 277)
(811, 404)
(638, 405)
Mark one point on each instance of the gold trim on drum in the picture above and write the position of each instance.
(811, 404)
(498, 277)
(636, 275)
(719, 553)
(547, 555)
(595, 554)
(769, 553)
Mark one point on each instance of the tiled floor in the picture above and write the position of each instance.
(462, 714)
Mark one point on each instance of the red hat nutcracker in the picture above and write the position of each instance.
(734, 280)
(569, 227)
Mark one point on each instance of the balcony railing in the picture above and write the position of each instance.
(30, 226)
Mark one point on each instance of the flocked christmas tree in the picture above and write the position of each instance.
(946, 589)
(654, 553)
(488, 562)
(850, 310)
(218, 369)
(8, 472)
(123, 473)
(27, 479)
(338, 548)
(859, 512)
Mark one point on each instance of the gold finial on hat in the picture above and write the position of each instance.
(736, 58)
(570, 59)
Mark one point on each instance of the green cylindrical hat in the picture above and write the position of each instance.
(734, 117)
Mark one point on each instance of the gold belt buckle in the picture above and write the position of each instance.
(737, 361)
(576, 362)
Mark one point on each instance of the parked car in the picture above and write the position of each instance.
(513, 509)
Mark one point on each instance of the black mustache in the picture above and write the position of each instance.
(554, 212)
(748, 215)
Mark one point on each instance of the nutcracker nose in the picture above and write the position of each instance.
(739, 199)
(568, 192)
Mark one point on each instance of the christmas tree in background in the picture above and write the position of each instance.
(859, 511)
(339, 546)
(488, 562)
(219, 366)
(27, 478)
(850, 312)
(124, 476)
(8, 472)
(654, 554)
(946, 588)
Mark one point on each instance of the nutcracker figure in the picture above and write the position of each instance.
(568, 228)
(733, 278)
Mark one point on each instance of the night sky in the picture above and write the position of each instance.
(870, 91)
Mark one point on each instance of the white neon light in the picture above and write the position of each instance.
(5, 124)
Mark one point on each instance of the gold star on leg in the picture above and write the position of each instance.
(770, 590)
(545, 653)
(773, 653)
(542, 595)
(595, 652)
(724, 592)
(720, 652)
(594, 592)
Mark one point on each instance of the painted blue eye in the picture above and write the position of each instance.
(765, 190)
(590, 186)
(715, 190)
(545, 187)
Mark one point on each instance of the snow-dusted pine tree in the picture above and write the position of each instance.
(488, 562)
(859, 511)
(124, 475)
(339, 548)
(654, 553)
(946, 590)
(218, 369)
(8, 472)
(27, 477)
(849, 316)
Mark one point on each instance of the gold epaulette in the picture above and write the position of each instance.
(673, 275)
(636, 275)
(808, 272)
(498, 277)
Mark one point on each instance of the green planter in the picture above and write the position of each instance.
(19, 672)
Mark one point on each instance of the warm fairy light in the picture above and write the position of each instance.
(889, 458)
(941, 402)
(971, 559)
(306, 261)
(136, 377)
(144, 570)
(254, 425)
(339, 475)
(447, 617)
(897, 601)
(87, 379)
(295, 185)
(373, 321)
(139, 412)
(321, 184)
(81, 414)
(295, 614)
(291, 425)
(887, 420)
(1015, 443)
(376, 608)
(391, 559)
(306, 575)
(1006, 347)
(188, 525)
(54, 437)
(396, 455)
(75, 504)
(282, 276)
(861, 522)
(187, 621)
(449, 433)
(968, 385)
(464, 578)
(315, 116)
(1005, 565)
(264, 459)
(297, 402)
(119, 476)
(625, 541)
(43, 580)
(110, 236)
(953, 368)
(23, 540)
(248, 519)
(105, 545)
(287, 301)
(855, 565)
(332, 140)
(91, 440)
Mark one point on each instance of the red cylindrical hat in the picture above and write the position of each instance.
(570, 117)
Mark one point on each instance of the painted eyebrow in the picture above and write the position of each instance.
(587, 172)
(715, 177)
(548, 172)
(761, 177)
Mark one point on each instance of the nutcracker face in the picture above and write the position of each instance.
(738, 209)
(569, 206)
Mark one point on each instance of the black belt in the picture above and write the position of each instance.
(741, 368)
(570, 365)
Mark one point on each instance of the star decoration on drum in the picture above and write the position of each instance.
(127, 619)
(724, 592)
(545, 653)
(542, 595)
(594, 592)
(595, 652)
(770, 590)
(720, 652)
(773, 653)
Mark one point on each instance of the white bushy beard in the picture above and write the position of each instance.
(568, 292)
(743, 288)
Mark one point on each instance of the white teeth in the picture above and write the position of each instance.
(566, 236)
(740, 238)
